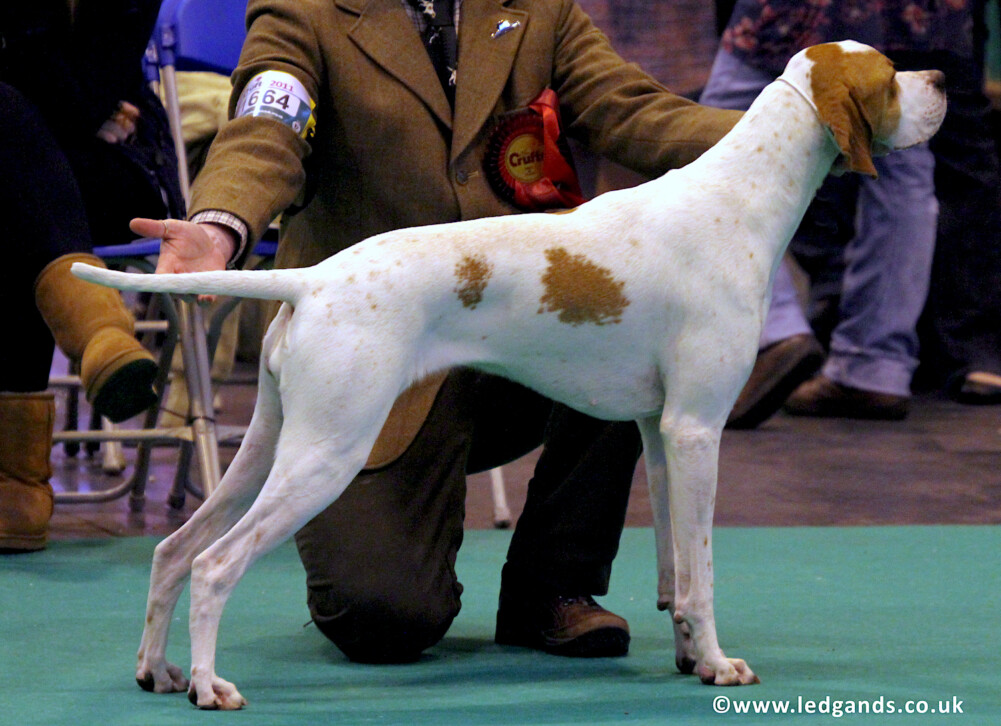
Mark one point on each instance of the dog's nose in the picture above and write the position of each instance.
(937, 80)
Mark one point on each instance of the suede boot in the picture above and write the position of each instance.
(25, 494)
(93, 327)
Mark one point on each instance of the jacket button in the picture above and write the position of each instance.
(462, 176)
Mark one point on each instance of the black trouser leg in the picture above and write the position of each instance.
(568, 533)
(41, 218)
(380, 560)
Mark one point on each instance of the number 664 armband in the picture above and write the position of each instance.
(278, 95)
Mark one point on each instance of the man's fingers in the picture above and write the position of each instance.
(147, 227)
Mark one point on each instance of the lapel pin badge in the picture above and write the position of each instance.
(504, 26)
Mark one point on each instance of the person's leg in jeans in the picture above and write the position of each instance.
(41, 218)
(874, 348)
(36, 182)
(380, 560)
(960, 329)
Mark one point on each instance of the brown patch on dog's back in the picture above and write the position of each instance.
(580, 290)
(473, 272)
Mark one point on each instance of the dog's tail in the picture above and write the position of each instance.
(284, 285)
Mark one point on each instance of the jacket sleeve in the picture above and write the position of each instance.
(254, 169)
(619, 111)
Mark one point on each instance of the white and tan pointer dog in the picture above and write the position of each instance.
(643, 304)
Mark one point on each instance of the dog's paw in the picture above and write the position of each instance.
(727, 672)
(684, 648)
(685, 664)
(167, 678)
(219, 696)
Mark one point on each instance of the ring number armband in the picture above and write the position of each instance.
(278, 95)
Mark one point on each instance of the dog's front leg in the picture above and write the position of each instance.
(692, 453)
(655, 460)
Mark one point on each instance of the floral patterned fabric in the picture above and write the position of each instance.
(766, 33)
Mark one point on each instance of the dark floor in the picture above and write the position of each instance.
(941, 465)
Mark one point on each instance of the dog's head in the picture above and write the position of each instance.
(869, 107)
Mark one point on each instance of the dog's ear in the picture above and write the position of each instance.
(833, 84)
(843, 113)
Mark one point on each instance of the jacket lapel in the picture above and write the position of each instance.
(485, 62)
(386, 35)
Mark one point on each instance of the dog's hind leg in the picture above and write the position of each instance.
(282, 508)
(324, 443)
(655, 460)
(691, 445)
(173, 557)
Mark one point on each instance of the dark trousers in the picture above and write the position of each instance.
(961, 326)
(44, 214)
(379, 562)
(41, 217)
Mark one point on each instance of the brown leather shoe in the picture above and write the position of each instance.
(978, 388)
(821, 396)
(777, 371)
(573, 626)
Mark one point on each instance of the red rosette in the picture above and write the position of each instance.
(514, 155)
(528, 161)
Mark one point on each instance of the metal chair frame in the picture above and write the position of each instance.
(183, 323)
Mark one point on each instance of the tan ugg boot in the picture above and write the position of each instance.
(25, 493)
(92, 326)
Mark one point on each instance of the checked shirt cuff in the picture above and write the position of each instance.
(230, 221)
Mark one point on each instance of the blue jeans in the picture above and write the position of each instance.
(888, 262)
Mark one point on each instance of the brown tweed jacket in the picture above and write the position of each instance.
(388, 152)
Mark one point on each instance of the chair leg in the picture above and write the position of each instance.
(184, 324)
(72, 448)
(112, 452)
(502, 515)
(197, 374)
(182, 480)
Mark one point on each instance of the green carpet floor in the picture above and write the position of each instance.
(878, 615)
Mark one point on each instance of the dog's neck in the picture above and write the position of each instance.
(772, 163)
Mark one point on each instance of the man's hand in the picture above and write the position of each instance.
(188, 247)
